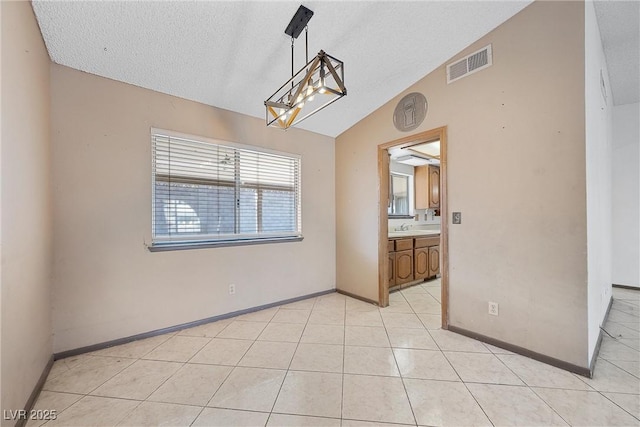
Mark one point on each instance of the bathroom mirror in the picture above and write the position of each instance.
(398, 195)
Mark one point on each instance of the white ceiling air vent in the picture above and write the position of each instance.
(469, 64)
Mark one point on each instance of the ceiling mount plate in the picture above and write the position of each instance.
(298, 22)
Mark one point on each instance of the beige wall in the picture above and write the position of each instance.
(107, 285)
(25, 205)
(517, 174)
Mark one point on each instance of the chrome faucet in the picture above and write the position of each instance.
(404, 227)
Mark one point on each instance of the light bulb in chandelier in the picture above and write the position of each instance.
(321, 86)
(310, 95)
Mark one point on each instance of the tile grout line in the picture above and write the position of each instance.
(628, 305)
(206, 405)
(93, 354)
(217, 388)
(100, 352)
(197, 416)
(210, 339)
(233, 368)
(615, 403)
(612, 362)
(286, 374)
(393, 353)
(549, 405)
(622, 311)
(461, 380)
(532, 390)
(591, 390)
(616, 339)
(118, 373)
(458, 374)
(321, 417)
(99, 397)
(172, 361)
(111, 377)
(602, 392)
(620, 324)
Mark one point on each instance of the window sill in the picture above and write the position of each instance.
(164, 247)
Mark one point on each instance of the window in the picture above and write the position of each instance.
(208, 192)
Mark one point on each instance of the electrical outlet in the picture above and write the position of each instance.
(232, 289)
(493, 308)
(456, 217)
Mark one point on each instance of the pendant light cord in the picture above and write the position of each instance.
(292, 39)
(306, 51)
(306, 44)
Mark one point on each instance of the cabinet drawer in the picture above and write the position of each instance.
(424, 242)
(390, 246)
(404, 244)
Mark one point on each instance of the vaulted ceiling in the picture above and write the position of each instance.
(619, 23)
(234, 54)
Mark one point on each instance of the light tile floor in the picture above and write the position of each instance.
(336, 361)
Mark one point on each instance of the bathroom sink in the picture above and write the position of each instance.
(402, 233)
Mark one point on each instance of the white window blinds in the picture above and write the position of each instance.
(205, 191)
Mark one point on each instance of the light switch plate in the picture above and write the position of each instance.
(457, 217)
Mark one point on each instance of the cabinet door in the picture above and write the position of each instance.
(421, 187)
(392, 269)
(421, 263)
(434, 187)
(434, 260)
(404, 266)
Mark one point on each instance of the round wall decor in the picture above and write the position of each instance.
(410, 112)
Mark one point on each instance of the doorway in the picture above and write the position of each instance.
(387, 203)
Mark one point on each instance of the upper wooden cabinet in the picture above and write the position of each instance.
(427, 187)
(434, 187)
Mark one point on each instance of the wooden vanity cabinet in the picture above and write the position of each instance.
(427, 187)
(421, 260)
(434, 260)
(421, 263)
(391, 248)
(413, 259)
(392, 269)
(403, 262)
(404, 267)
(404, 244)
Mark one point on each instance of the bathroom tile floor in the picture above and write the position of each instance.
(337, 361)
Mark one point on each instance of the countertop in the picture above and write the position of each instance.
(412, 233)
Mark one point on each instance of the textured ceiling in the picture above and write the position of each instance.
(619, 23)
(234, 54)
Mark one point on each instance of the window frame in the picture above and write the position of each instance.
(225, 240)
